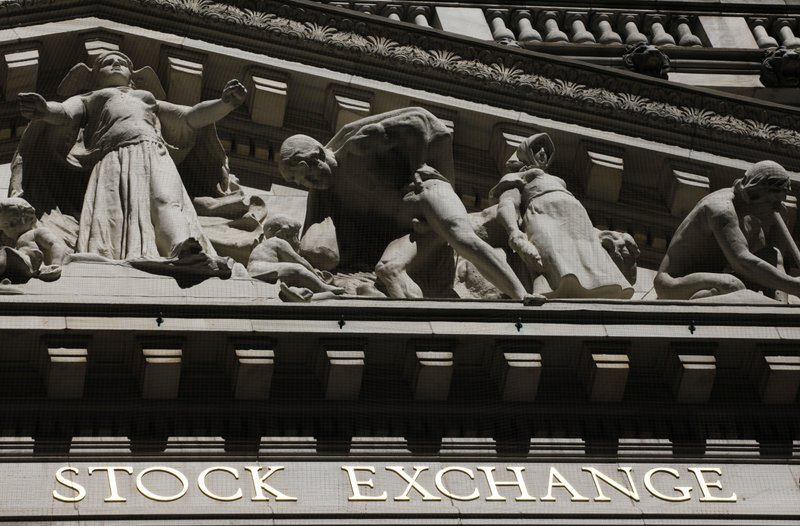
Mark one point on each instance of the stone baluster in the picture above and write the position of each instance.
(368, 9)
(685, 36)
(500, 32)
(548, 21)
(419, 15)
(660, 37)
(783, 27)
(628, 27)
(393, 12)
(580, 35)
(526, 34)
(601, 23)
(760, 33)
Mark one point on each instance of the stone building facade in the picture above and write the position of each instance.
(135, 396)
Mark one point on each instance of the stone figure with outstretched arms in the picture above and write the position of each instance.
(132, 202)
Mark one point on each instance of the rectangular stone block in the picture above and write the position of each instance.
(65, 369)
(183, 77)
(267, 96)
(250, 370)
(344, 105)
(158, 368)
(468, 21)
(504, 143)
(777, 377)
(517, 369)
(684, 188)
(429, 369)
(340, 368)
(96, 46)
(603, 368)
(725, 32)
(600, 168)
(19, 72)
(691, 372)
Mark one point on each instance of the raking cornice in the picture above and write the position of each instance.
(537, 83)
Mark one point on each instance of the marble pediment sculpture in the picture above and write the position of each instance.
(733, 243)
(552, 233)
(124, 164)
(384, 183)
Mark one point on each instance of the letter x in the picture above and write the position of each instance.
(412, 483)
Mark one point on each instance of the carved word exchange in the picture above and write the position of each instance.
(399, 483)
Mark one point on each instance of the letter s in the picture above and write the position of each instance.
(80, 490)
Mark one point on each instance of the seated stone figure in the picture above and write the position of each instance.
(276, 259)
(552, 233)
(729, 241)
(31, 249)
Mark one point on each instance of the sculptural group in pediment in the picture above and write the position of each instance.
(119, 175)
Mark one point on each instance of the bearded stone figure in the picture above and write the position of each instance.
(109, 155)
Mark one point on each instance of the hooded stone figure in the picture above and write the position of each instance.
(551, 230)
(110, 157)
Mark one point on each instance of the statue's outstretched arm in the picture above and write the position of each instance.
(210, 111)
(35, 107)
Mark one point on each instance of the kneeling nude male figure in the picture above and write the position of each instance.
(384, 181)
(730, 230)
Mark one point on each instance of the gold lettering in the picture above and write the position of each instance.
(112, 480)
(201, 483)
(412, 483)
(557, 480)
(704, 485)
(520, 483)
(355, 483)
(439, 479)
(161, 498)
(260, 485)
(683, 490)
(74, 486)
(597, 476)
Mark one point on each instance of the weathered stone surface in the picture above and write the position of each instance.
(340, 368)
(691, 371)
(19, 71)
(64, 367)
(267, 96)
(429, 369)
(517, 369)
(777, 377)
(250, 369)
(158, 368)
(603, 368)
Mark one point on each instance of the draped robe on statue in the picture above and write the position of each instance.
(129, 144)
(575, 263)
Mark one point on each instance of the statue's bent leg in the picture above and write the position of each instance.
(695, 286)
(447, 216)
(392, 270)
(166, 201)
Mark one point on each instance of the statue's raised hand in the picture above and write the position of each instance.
(33, 106)
(234, 93)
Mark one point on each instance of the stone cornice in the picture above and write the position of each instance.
(523, 80)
